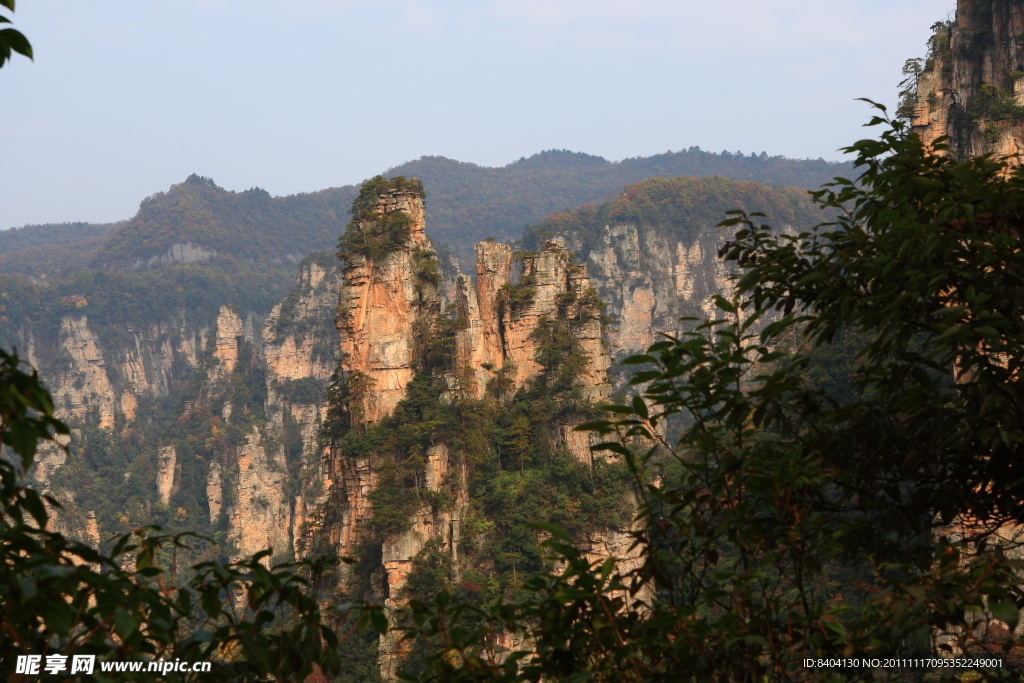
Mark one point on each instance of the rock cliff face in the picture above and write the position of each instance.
(228, 440)
(221, 424)
(652, 253)
(381, 302)
(500, 325)
(260, 517)
(499, 321)
(971, 88)
(651, 279)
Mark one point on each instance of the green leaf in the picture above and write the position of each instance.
(379, 621)
(724, 304)
(14, 40)
(640, 407)
(35, 507)
(59, 620)
(1006, 611)
(639, 360)
(125, 623)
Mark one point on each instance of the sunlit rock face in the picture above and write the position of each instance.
(382, 305)
(975, 69)
(650, 278)
(110, 381)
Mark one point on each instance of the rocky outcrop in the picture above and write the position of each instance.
(399, 551)
(972, 85)
(299, 333)
(167, 464)
(229, 333)
(381, 301)
(499, 320)
(214, 492)
(177, 253)
(90, 394)
(479, 345)
(261, 516)
(100, 379)
(385, 307)
(650, 278)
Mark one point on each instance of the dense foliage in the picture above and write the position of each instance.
(50, 260)
(48, 251)
(788, 520)
(51, 233)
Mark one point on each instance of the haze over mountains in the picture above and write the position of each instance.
(466, 203)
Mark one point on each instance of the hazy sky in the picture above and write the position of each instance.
(125, 98)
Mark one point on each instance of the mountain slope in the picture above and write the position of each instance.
(467, 203)
(652, 251)
(52, 233)
(42, 251)
(249, 225)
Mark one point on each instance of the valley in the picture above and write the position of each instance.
(387, 406)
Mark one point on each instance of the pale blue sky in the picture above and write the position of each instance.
(125, 98)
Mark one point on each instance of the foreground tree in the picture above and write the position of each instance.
(60, 597)
(791, 518)
(12, 40)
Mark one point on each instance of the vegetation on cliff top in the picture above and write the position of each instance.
(680, 206)
(374, 234)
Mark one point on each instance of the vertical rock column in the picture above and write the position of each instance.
(384, 305)
(985, 45)
(478, 346)
(380, 303)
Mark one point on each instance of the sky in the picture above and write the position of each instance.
(125, 98)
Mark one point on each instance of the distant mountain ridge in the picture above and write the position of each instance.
(48, 250)
(51, 233)
(466, 203)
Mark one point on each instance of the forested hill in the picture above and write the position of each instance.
(249, 225)
(41, 250)
(467, 203)
(677, 208)
(192, 221)
(53, 233)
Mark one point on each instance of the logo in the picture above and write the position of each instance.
(31, 664)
